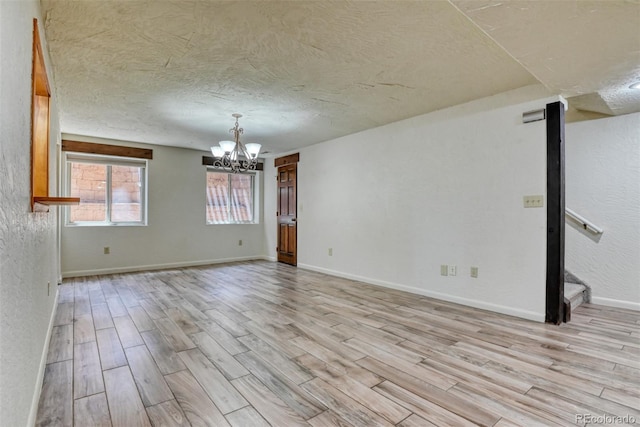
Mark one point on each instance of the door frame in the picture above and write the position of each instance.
(281, 162)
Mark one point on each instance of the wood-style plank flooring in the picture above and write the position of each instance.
(260, 343)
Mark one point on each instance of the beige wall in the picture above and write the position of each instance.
(176, 234)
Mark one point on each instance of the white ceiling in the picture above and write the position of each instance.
(172, 72)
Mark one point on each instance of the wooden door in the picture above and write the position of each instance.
(287, 211)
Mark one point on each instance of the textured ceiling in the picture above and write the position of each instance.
(586, 48)
(172, 72)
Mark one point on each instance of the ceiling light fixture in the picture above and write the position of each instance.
(636, 85)
(234, 156)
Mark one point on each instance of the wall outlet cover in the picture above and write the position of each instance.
(536, 201)
(444, 270)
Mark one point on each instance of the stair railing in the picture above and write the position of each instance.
(586, 224)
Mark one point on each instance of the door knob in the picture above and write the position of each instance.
(293, 220)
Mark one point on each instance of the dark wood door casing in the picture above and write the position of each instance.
(555, 304)
(287, 213)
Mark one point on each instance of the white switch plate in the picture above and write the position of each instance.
(444, 270)
(453, 270)
(330, 251)
(474, 272)
(533, 201)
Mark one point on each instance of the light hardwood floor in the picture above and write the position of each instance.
(260, 343)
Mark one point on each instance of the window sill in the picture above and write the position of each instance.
(57, 200)
(105, 224)
(232, 223)
(41, 204)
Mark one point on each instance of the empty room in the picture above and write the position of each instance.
(319, 213)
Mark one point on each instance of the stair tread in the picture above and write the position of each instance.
(573, 289)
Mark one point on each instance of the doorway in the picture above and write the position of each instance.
(287, 208)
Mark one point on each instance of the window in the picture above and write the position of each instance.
(111, 190)
(230, 198)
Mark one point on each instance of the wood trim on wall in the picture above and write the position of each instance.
(286, 160)
(555, 308)
(40, 121)
(40, 96)
(106, 149)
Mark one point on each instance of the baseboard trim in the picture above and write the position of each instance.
(33, 413)
(524, 314)
(134, 268)
(616, 303)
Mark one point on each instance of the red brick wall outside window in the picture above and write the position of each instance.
(89, 182)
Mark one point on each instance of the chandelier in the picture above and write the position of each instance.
(234, 156)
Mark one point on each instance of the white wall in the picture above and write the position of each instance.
(396, 202)
(603, 185)
(28, 246)
(176, 233)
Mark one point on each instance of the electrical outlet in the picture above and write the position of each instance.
(533, 201)
(330, 251)
(444, 270)
(240, 242)
(107, 250)
(474, 272)
(453, 270)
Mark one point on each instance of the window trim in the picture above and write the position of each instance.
(255, 181)
(108, 161)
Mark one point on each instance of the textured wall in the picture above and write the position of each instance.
(28, 246)
(176, 233)
(603, 185)
(396, 202)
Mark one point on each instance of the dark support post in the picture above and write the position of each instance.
(554, 312)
